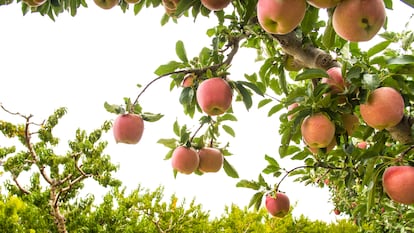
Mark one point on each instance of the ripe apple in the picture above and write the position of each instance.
(34, 3)
(214, 95)
(362, 145)
(328, 148)
(280, 16)
(318, 130)
(290, 108)
(350, 122)
(337, 212)
(277, 206)
(398, 183)
(185, 159)
(188, 80)
(211, 159)
(323, 3)
(128, 128)
(335, 80)
(383, 109)
(106, 4)
(358, 20)
(215, 5)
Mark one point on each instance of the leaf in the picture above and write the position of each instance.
(229, 169)
(328, 37)
(151, 117)
(248, 184)
(168, 68)
(168, 142)
(180, 51)
(229, 130)
(311, 74)
(275, 109)
(256, 200)
(113, 108)
(138, 7)
(264, 102)
(378, 48)
(176, 128)
(271, 160)
(252, 86)
(227, 117)
(301, 155)
(246, 97)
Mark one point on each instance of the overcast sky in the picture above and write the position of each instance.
(81, 62)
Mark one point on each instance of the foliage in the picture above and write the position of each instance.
(354, 174)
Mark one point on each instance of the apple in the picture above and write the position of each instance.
(211, 159)
(170, 6)
(323, 3)
(128, 128)
(290, 108)
(188, 80)
(337, 212)
(106, 4)
(318, 130)
(383, 109)
(350, 122)
(398, 183)
(185, 159)
(215, 5)
(326, 181)
(358, 20)
(34, 3)
(362, 145)
(335, 80)
(214, 96)
(277, 206)
(280, 16)
(328, 148)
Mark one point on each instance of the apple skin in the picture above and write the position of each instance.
(383, 109)
(335, 80)
(185, 160)
(128, 128)
(35, 3)
(358, 20)
(277, 206)
(350, 122)
(362, 145)
(214, 96)
(328, 148)
(106, 4)
(211, 159)
(323, 3)
(215, 5)
(398, 183)
(188, 81)
(280, 16)
(318, 130)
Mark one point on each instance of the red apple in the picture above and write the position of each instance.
(277, 206)
(318, 130)
(337, 212)
(215, 5)
(106, 4)
(188, 80)
(214, 96)
(211, 159)
(398, 183)
(335, 80)
(383, 109)
(290, 107)
(280, 16)
(323, 3)
(185, 160)
(128, 128)
(362, 145)
(358, 20)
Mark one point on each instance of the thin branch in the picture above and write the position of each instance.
(25, 191)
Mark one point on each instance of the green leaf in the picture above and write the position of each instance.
(328, 37)
(252, 86)
(168, 68)
(256, 200)
(229, 169)
(301, 155)
(378, 48)
(263, 102)
(151, 117)
(229, 130)
(176, 128)
(227, 117)
(138, 7)
(275, 109)
(180, 50)
(168, 142)
(248, 184)
(246, 97)
(311, 74)
(271, 160)
(113, 108)
(310, 19)
(370, 81)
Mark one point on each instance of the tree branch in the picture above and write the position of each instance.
(402, 131)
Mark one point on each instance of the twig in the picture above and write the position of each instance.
(25, 191)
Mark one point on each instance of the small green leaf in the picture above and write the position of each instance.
(227, 117)
(246, 97)
(113, 108)
(275, 109)
(378, 48)
(248, 184)
(168, 68)
(271, 160)
(229, 130)
(264, 102)
(311, 74)
(180, 50)
(328, 38)
(256, 200)
(176, 128)
(138, 6)
(229, 169)
(168, 142)
(252, 86)
(151, 117)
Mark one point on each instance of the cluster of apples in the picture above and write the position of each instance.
(353, 20)
(187, 160)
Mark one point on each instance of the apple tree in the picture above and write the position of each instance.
(345, 109)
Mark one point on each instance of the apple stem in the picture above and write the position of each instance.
(195, 133)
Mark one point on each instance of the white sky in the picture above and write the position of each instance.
(80, 62)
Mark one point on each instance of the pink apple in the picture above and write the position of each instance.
(335, 80)
(358, 20)
(215, 5)
(398, 183)
(277, 206)
(211, 159)
(185, 160)
(128, 128)
(280, 16)
(214, 96)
